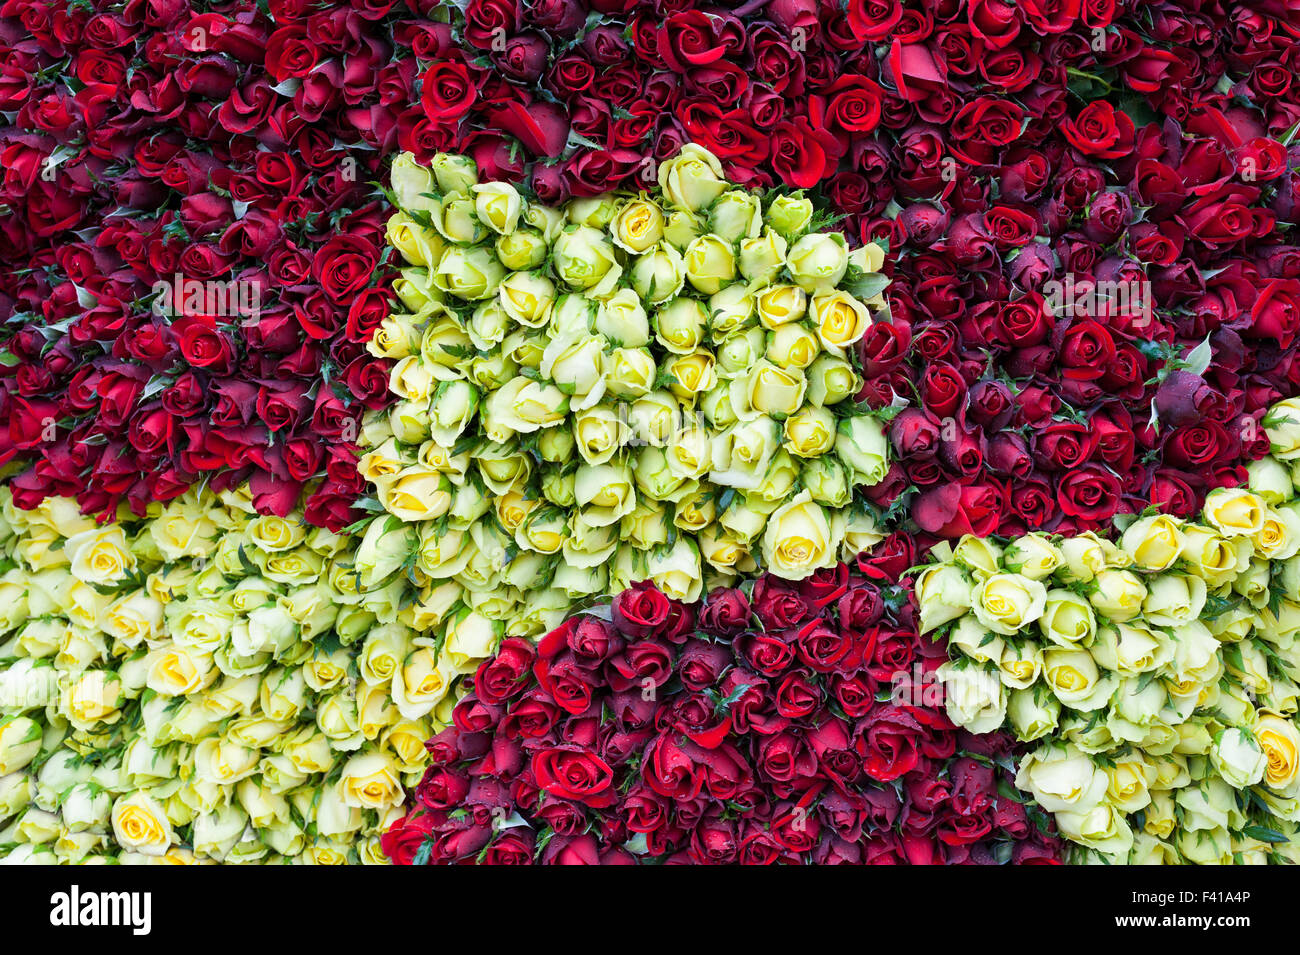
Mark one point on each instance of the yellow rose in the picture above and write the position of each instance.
(371, 781)
(779, 304)
(498, 206)
(1282, 425)
(1280, 741)
(415, 494)
(770, 390)
(692, 179)
(1234, 511)
(1006, 603)
(710, 264)
(140, 825)
(790, 346)
(1154, 542)
(799, 539)
(100, 556)
(637, 225)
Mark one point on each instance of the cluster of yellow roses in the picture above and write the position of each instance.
(1159, 671)
(634, 386)
(204, 684)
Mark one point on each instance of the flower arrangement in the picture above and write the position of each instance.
(201, 684)
(777, 722)
(1157, 672)
(632, 386)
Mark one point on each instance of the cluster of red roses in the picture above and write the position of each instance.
(155, 148)
(783, 723)
(1077, 194)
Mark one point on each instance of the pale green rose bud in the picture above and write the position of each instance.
(541, 612)
(1131, 649)
(841, 319)
(975, 639)
(736, 214)
(1077, 681)
(1282, 425)
(692, 179)
(454, 173)
(595, 212)
(637, 226)
(16, 791)
(679, 325)
(1062, 778)
(471, 274)
(741, 349)
(716, 405)
(831, 380)
(810, 432)
(745, 517)
(827, 482)
(574, 363)
(1118, 594)
(1033, 713)
(659, 274)
(789, 215)
(558, 487)
(681, 228)
(973, 698)
(730, 310)
(572, 314)
(556, 445)
(1020, 665)
(861, 533)
(1032, 555)
(769, 390)
(742, 453)
(526, 572)
(710, 264)
(646, 526)
(861, 444)
(456, 221)
(677, 571)
(1173, 600)
(523, 405)
(792, 346)
(696, 511)
(1068, 620)
(604, 493)
(1103, 828)
(655, 418)
(801, 538)
(1210, 803)
(418, 245)
(414, 288)
(779, 304)
(598, 432)
(655, 479)
(411, 183)
(692, 374)
(589, 545)
(453, 406)
(498, 206)
(216, 833)
(623, 321)
(545, 530)
(86, 806)
(383, 548)
(629, 372)
(817, 262)
(20, 741)
(522, 250)
(1271, 480)
(943, 593)
(583, 258)
(527, 298)
(723, 552)
(1083, 556)
(778, 480)
(579, 582)
(762, 258)
(549, 222)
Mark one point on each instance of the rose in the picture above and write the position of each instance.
(574, 774)
(799, 539)
(1238, 757)
(1006, 603)
(140, 825)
